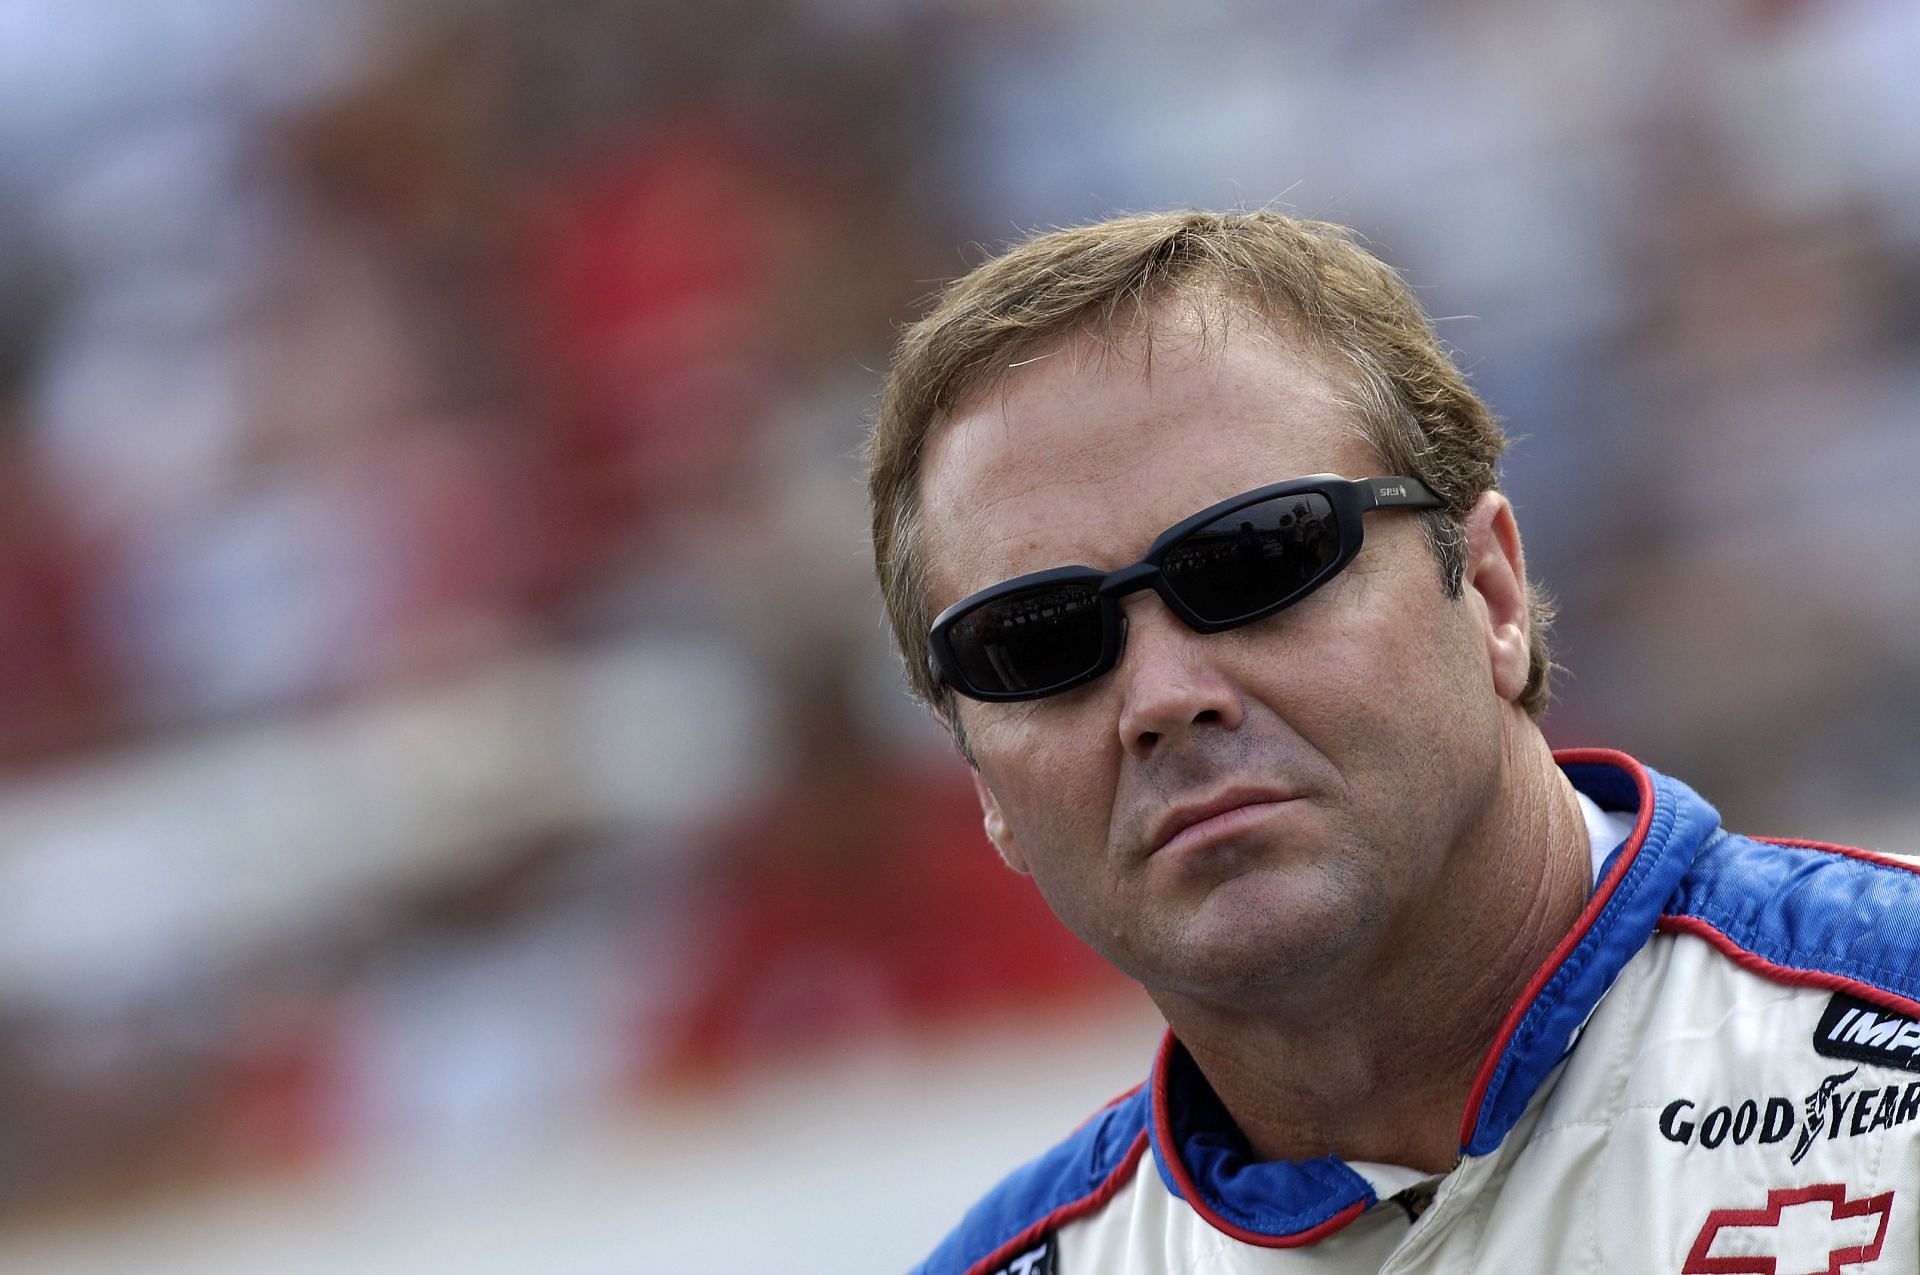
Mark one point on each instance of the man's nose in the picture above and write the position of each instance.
(1171, 680)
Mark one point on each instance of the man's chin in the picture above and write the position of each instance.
(1255, 936)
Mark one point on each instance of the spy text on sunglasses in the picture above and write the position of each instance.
(1232, 563)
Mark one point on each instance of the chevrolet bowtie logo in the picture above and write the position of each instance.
(1808, 1230)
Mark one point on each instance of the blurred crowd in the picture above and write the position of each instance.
(440, 678)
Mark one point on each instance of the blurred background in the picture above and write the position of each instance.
(457, 807)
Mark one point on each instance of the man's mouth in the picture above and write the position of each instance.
(1191, 826)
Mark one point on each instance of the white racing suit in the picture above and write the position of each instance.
(1744, 1096)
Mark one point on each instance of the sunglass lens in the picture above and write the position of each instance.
(1254, 558)
(1029, 641)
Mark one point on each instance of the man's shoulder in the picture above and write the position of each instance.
(1076, 1177)
(1807, 913)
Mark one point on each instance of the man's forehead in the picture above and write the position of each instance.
(1191, 365)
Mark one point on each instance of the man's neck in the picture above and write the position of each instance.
(1379, 1068)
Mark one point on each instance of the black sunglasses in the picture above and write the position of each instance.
(1228, 565)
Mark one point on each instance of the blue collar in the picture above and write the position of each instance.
(1287, 1203)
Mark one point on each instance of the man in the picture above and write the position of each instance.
(1189, 532)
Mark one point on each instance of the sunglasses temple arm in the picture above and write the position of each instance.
(1395, 493)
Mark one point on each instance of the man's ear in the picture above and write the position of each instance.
(1496, 574)
(998, 830)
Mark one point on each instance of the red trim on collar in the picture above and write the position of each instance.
(1786, 973)
(1093, 1200)
(1477, 1096)
(1163, 1131)
(1852, 852)
(1699, 928)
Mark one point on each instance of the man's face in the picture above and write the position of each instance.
(1340, 749)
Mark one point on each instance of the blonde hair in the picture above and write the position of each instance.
(1307, 278)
